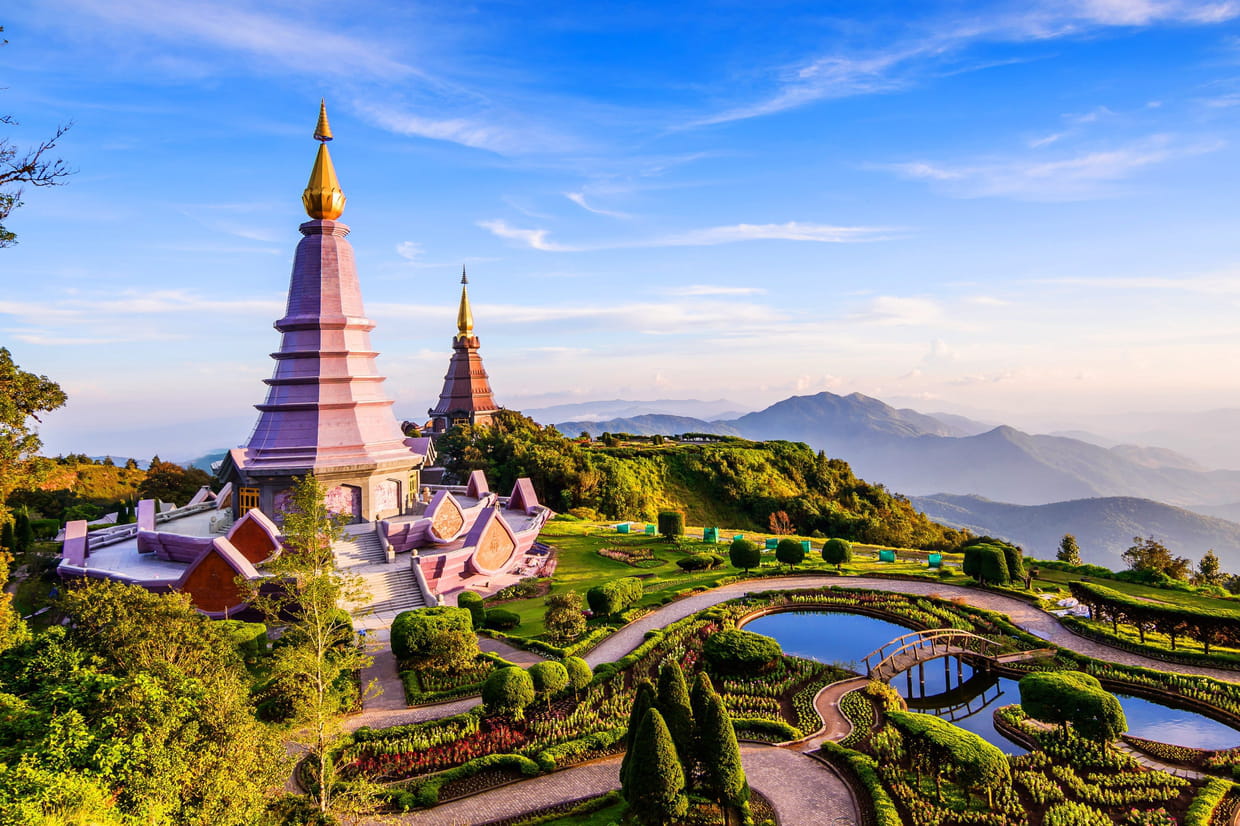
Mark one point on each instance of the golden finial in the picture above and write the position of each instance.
(322, 197)
(464, 316)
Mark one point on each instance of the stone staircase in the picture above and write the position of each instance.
(391, 587)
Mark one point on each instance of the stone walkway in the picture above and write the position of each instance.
(1028, 617)
(509, 652)
(1152, 763)
(802, 790)
(835, 726)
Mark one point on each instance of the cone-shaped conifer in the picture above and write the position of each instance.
(642, 702)
(723, 776)
(673, 702)
(655, 787)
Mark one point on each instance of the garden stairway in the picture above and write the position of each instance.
(390, 586)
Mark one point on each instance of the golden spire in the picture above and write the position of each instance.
(464, 316)
(322, 197)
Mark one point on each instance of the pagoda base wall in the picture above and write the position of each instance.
(362, 495)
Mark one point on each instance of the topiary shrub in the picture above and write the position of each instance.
(1076, 698)
(836, 552)
(614, 596)
(501, 619)
(987, 564)
(508, 691)
(439, 638)
(699, 562)
(472, 602)
(671, 524)
(740, 652)
(579, 673)
(790, 552)
(549, 678)
(744, 554)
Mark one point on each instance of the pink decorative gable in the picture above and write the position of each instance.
(523, 497)
(210, 580)
(477, 487)
(495, 545)
(446, 516)
(255, 536)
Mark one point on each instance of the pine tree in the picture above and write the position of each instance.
(655, 786)
(723, 774)
(673, 702)
(23, 537)
(703, 690)
(642, 702)
(1069, 551)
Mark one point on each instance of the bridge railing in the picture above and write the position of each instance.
(935, 643)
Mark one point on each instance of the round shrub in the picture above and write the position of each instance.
(614, 596)
(699, 562)
(472, 602)
(439, 637)
(744, 554)
(1073, 697)
(501, 619)
(740, 652)
(836, 552)
(790, 552)
(508, 691)
(579, 673)
(549, 676)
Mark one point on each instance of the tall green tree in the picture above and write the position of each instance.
(723, 775)
(1151, 556)
(319, 656)
(565, 617)
(655, 785)
(140, 696)
(673, 702)
(169, 482)
(1209, 570)
(1069, 551)
(23, 396)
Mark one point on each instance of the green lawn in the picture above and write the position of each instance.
(580, 567)
(603, 817)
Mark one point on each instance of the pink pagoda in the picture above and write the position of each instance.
(466, 396)
(326, 412)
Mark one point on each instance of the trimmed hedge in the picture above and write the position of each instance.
(413, 630)
(1208, 626)
(501, 619)
(971, 760)
(760, 725)
(740, 652)
(671, 524)
(614, 596)
(1201, 810)
(865, 769)
(558, 756)
(426, 793)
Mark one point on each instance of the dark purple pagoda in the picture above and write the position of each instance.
(326, 412)
(466, 396)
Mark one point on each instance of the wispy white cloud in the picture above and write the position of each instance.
(539, 239)
(1071, 177)
(901, 311)
(288, 41)
(579, 198)
(937, 47)
(409, 250)
(713, 289)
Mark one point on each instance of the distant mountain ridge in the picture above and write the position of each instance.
(1103, 527)
(919, 454)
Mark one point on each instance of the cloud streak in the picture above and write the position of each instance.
(539, 239)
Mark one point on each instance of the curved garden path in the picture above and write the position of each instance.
(1023, 614)
(801, 789)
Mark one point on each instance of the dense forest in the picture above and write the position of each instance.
(779, 486)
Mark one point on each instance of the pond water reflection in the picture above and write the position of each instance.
(952, 691)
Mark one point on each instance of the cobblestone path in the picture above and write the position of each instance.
(802, 790)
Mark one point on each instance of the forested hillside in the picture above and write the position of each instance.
(730, 482)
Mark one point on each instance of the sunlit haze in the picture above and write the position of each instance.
(1021, 211)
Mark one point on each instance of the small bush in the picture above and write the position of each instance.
(740, 652)
(502, 619)
(790, 552)
(508, 691)
(614, 596)
(744, 554)
(699, 562)
(836, 552)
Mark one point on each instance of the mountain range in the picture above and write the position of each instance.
(1104, 527)
(949, 463)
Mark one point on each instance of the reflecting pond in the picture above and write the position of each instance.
(954, 692)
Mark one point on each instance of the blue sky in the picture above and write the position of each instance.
(1021, 210)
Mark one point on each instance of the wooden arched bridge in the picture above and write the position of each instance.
(918, 647)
